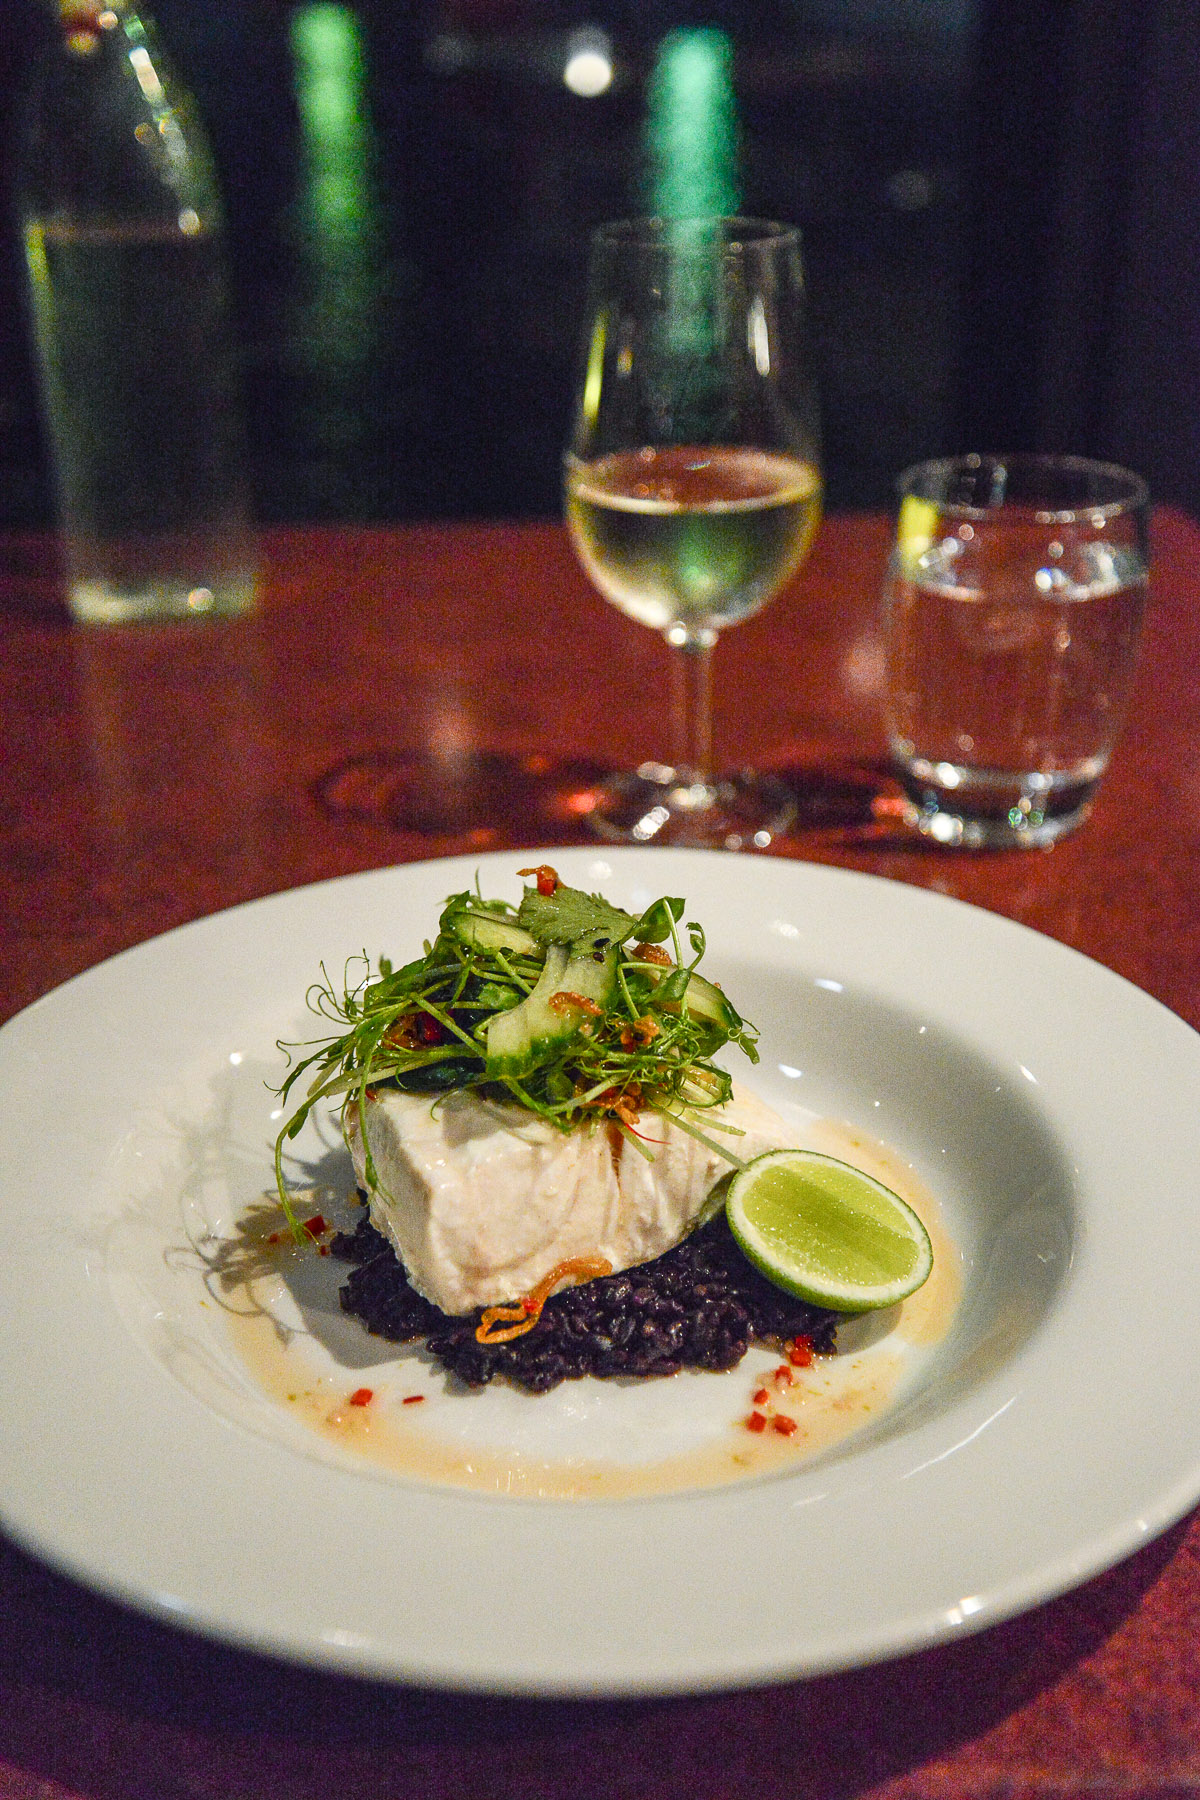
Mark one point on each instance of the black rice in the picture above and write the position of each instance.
(699, 1306)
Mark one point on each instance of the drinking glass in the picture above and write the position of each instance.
(1011, 618)
(693, 485)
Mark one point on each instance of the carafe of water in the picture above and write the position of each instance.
(129, 313)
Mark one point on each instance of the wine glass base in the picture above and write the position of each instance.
(471, 799)
(656, 804)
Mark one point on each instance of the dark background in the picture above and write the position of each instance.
(1000, 203)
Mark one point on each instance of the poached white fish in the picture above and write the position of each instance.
(481, 1199)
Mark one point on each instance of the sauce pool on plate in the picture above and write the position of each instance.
(394, 1411)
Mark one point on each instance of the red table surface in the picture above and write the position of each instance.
(409, 692)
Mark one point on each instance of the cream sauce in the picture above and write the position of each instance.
(828, 1401)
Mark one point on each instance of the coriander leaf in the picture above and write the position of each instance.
(569, 914)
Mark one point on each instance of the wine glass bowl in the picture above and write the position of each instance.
(693, 483)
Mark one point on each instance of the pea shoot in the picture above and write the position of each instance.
(565, 1005)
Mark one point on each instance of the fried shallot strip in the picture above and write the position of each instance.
(514, 1321)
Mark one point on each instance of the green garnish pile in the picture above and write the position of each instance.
(565, 1005)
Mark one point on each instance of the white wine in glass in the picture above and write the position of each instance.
(693, 483)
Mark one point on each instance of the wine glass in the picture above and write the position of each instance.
(692, 483)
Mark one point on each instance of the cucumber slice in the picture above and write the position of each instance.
(519, 1040)
(706, 1003)
(491, 931)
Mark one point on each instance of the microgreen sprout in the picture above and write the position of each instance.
(424, 1027)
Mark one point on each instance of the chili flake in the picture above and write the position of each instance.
(362, 1396)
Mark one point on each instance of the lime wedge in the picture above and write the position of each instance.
(825, 1231)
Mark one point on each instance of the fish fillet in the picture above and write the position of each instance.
(481, 1200)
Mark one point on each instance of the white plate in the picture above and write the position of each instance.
(1049, 1105)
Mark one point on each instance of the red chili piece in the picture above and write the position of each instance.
(430, 1030)
(756, 1422)
(761, 1396)
(362, 1396)
(412, 1399)
(784, 1376)
(547, 879)
(783, 1424)
(800, 1352)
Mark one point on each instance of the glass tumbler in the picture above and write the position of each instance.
(1011, 618)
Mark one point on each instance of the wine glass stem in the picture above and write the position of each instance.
(693, 703)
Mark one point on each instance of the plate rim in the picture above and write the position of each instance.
(919, 1628)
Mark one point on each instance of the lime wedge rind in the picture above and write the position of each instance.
(823, 1230)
